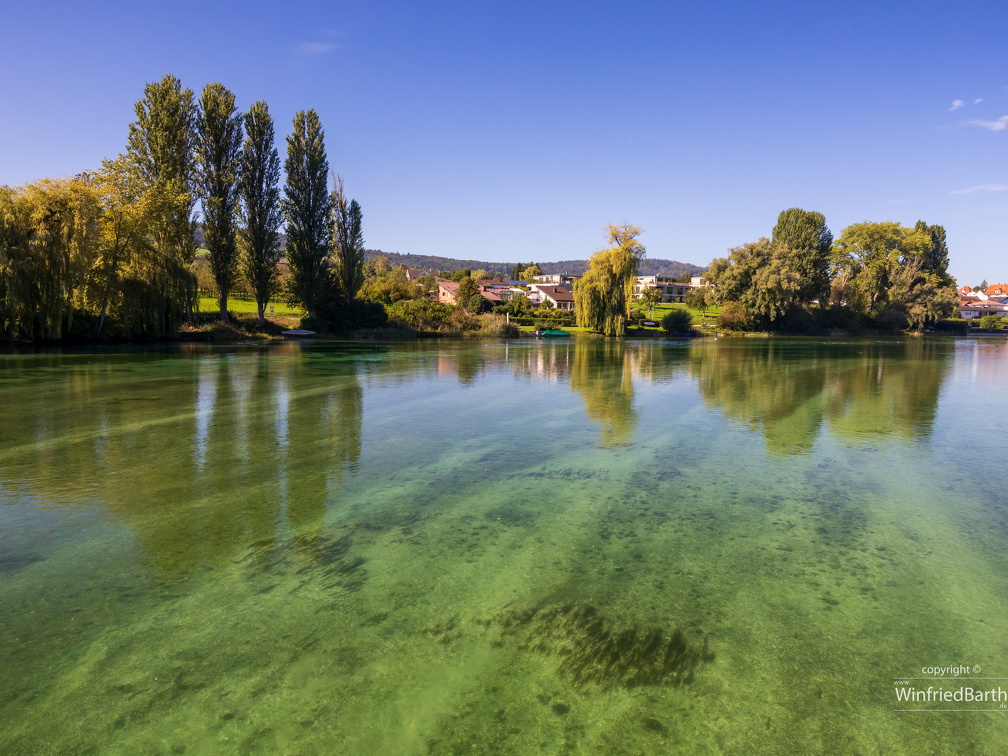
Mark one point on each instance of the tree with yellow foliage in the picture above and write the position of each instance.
(601, 295)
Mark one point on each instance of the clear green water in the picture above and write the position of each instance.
(580, 547)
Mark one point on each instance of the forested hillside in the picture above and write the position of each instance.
(648, 266)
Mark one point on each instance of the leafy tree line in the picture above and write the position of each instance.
(112, 250)
(876, 274)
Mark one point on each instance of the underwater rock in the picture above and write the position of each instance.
(593, 650)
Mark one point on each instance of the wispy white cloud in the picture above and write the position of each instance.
(999, 125)
(981, 188)
(956, 104)
(316, 48)
(978, 100)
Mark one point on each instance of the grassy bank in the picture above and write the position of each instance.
(248, 307)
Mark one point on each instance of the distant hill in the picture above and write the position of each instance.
(649, 266)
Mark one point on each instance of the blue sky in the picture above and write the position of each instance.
(515, 131)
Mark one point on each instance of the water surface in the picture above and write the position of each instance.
(469, 547)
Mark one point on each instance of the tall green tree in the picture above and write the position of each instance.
(808, 241)
(761, 277)
(161, 144)
(466, 291)
(865, 257)
(258, 183)
(218, 155)
(649, 297)
(529, 272)
(306, 205)
(348, 243)
(602, 293)
(697, 299)
(937, 257)
(884, 271)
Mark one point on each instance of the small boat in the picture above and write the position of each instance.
(553, 332)
(298, 332)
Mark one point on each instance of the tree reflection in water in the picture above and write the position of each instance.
(862, 391)
(601, 374)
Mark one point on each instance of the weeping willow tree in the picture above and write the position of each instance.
(125, 278)
(602, 293)
(601, 373)
(48, 233)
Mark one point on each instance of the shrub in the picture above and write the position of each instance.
(992, 322)
(952, 325)
(733, 317)
(461, 320)
(677, 321)
(496, 325)
(420, 314)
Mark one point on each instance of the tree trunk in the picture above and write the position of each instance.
(223, 308)
(262, 314)
(101, 319)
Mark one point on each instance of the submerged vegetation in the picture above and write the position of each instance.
(591, 649)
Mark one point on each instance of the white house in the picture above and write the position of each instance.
(560, 296)
(672, 290)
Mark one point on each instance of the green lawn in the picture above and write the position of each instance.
(698, 317)
(248, 307)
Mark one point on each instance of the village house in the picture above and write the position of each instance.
(556, 279)
(412, 274)
(975, 309)
(447, 291)
(997, 293)
(491, 290)
(671, 290)
(559, 296)
(495, 291)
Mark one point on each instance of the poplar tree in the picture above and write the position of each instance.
(348, 243)
(161, 146)
(218, 152)
(306, 205)
(259, 180)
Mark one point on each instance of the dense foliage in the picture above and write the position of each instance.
(879, 275)
(112, 252)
